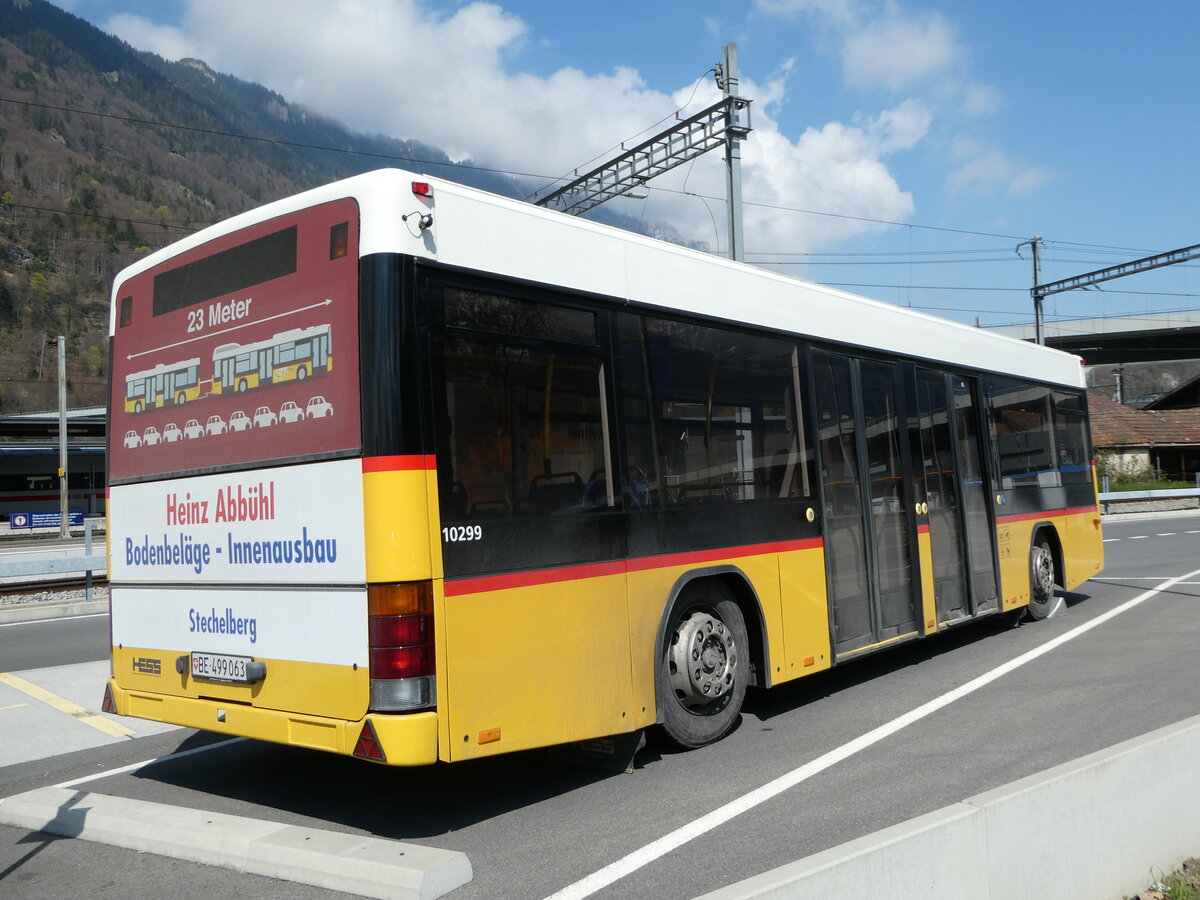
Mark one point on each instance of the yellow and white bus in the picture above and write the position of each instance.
(166, 384)
(578, 482)
(290, 355)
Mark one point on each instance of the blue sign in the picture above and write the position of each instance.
(45, 519)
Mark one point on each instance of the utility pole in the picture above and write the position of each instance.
(1039, 329)
(1145, 264)
(727, 81)
(64, 529)
(724, 124)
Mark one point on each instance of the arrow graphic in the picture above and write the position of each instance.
(231, 328)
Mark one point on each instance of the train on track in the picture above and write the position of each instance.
(29, 478)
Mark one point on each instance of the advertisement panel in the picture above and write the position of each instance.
(318, 625)
(291, 525)
(242, 350)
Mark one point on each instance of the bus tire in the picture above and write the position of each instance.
(1043, 577)
(138, 406)
(301, 373)
(180, 398)
(241, 386)
(704, 666)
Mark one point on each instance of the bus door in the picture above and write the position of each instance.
(869, 522)
(960, 531)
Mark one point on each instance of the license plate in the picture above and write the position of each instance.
(220, 667)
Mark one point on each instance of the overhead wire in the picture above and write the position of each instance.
(906, 259)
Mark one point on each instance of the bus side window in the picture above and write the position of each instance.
(1024, 431)
(522, 428)
(724, 415)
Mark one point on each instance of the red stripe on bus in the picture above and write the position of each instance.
(618, 567)
(398, 463)
(922, 529)
(1047, 514)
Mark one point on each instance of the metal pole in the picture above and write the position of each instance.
(1039, 327)
(64, 529)
(733, 153)
(87, 551)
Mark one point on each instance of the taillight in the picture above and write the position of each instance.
(400, 629)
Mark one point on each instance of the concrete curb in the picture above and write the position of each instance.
(345, 862)
(35, 612)
(1102, 826)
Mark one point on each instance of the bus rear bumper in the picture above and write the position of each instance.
(406, 740)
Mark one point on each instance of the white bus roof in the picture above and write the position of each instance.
(478, 230)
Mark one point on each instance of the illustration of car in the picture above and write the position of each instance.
(239, 421)
(264, 418)
(150, 437)
(132, 439)
(216, 425)
(318, 408)
(193, 429)
(172, 433)
(290, 412)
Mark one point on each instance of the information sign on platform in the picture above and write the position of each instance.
(45, 519)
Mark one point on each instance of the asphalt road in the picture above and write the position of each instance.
(534, 823)
(56, 642)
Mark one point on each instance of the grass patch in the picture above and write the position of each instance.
(1152, 486)
(1183, 884)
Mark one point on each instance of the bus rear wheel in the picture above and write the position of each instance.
(1043, 576)
(703, 668)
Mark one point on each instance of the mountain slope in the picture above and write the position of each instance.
(107, 153)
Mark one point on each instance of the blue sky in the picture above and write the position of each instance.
(902, 149)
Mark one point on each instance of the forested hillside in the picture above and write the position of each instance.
(107, 153)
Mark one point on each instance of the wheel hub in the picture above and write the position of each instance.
(703, 660)
(1043, 572)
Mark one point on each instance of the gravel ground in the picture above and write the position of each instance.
(1136, 506)
(13, 601)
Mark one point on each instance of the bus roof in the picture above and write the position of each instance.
(477, 230)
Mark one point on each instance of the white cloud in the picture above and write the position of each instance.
(897, 51)
(985, 170)
(165, 40)
(452, 79)
(837, 11)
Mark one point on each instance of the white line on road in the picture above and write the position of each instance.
(133, 767)
(643, 856)
(58, 619)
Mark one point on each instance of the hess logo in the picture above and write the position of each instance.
(144, 665)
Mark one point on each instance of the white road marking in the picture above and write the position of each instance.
(1166, 534)
(1111, 540)
(643, 856)
(1139, 537)
(56, 619)
(133, 767)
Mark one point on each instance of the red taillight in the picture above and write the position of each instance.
(401, 662)
(400, 631)
(107, 705)
(422, 189)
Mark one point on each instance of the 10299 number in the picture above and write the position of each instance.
(453, 534)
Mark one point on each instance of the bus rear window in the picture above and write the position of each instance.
(263, 259)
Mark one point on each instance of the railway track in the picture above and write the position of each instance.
(50, 585)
